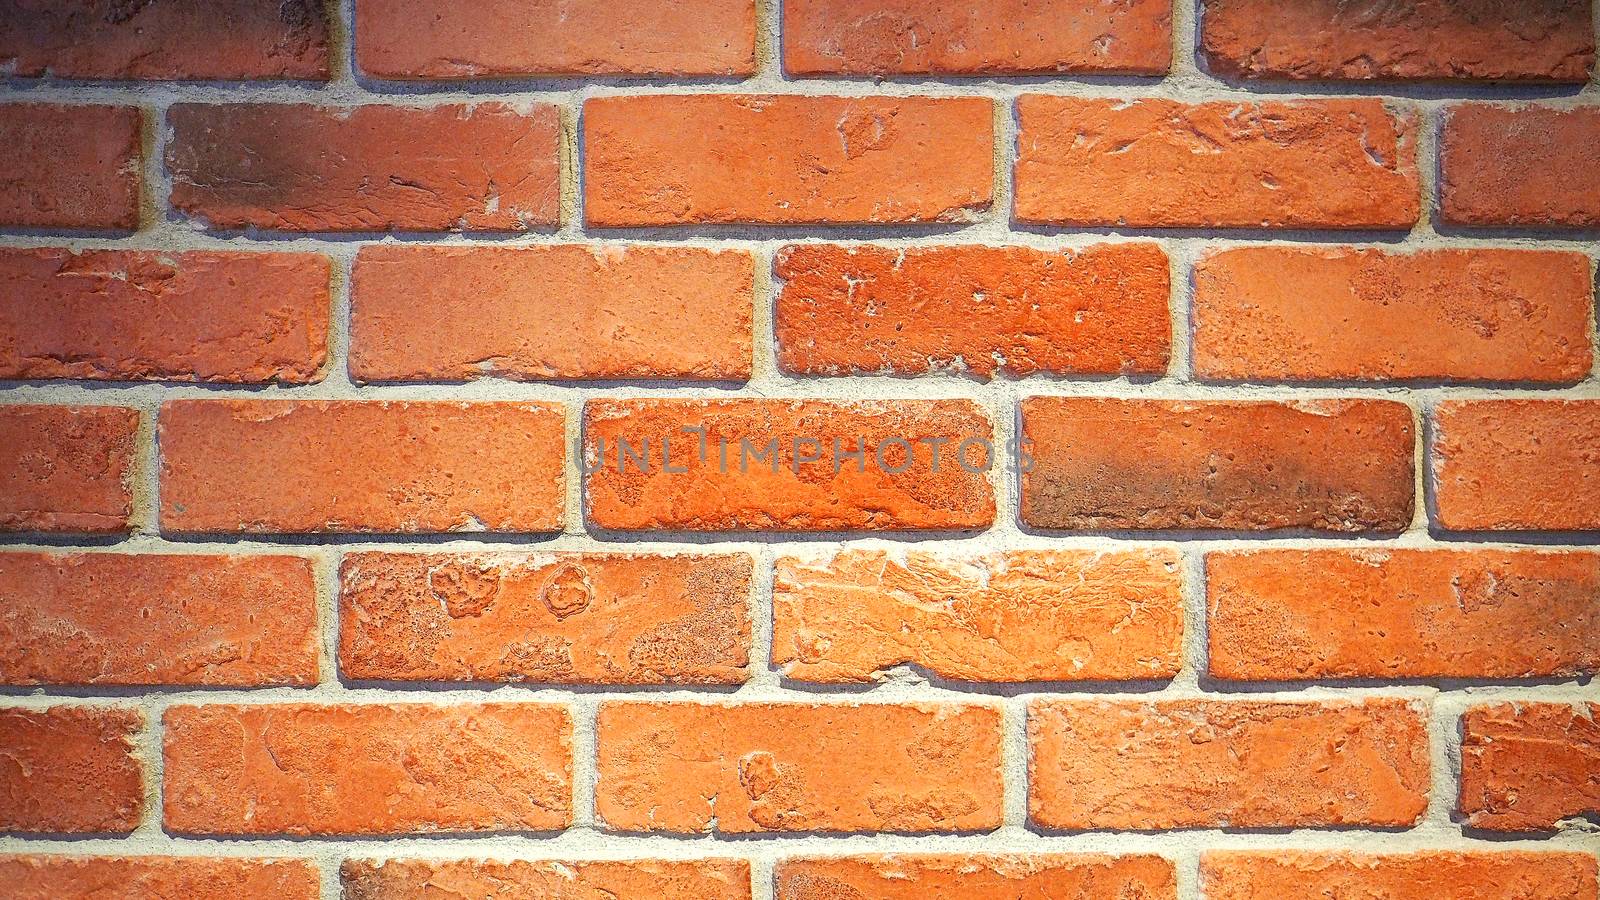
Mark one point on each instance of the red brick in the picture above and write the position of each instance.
(1530, 766)
(1147, 766)
(360, 466)
(1527, 166)
(1517, 465)
(1110, 464)
(1310, 164)
(113, 618)
(166, 39)
(1530, 40)
(691, 768)
(910, 311)
(786, 159)
(406, 879)
(999, 37)
(70, 770)
(1334, 313)
(158, 878)
(1066, 615)
(554, 312)
(1033, 875)
(514, 38)
(121, 315)
(66, 468)
(1285, 615)
(296, 167)
(1416, 876)
(556, 618)
(302, 769)
(784, 492)
(69, 167)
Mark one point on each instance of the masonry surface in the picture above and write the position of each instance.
(1176, 445)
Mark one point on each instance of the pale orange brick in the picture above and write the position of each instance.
(1529, 767)
(157, 878)
(71, 770)
(1412, 876)
(1517, 465)
(66, 468)
(1009, 877)
(407, 879)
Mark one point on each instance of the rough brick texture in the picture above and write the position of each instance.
(320, 466)
(157, 877)
(1528, 766)
(1330, 314)
(601, 312)
(709, 879)
(689, 768)
(1018, 616)
(914, 877)
(295, 167)
(141, 316)
(1413, 876)
(1555, 182)
(66, 468)
(166, 39)
(1340, 466)
(70, 770)
(367, 769)
(69, 167)
(1014, 310)
(1305, 164)
(839, 160)
(114, 618)
(1517, 465)
(1011, 37)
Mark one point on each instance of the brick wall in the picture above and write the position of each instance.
(317, 327)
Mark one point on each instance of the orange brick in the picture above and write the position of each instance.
(296, 167)
(732, 487)
(1328, 465)
(66, 468)
(999, 37)
(1312, 163)
(786, 159)
(557, 618)
(555, 312)
(158, 878)
(356, 466)
(1284, 615)
(166, 39)
(1334, 313)
(69, 166)
(146, 316)
(70, 770)
(1530, 40)
(513, 38)
(1017, 616)
(113, 618)
(303, 769)
(1517, 465)
(405, 879)
(1413, 876)
(910, 311)
(1148, 766)
(1553, 183)
(1529, 766)
(918, 877)
(798, 767)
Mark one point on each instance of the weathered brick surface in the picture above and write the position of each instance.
(70, 770)
(360, 466)
(1009, 37)
(149, 316)
(600, 312)
(1554, 183)
(404, 879)
(368, 769)
(171, 39)
(916, 876)
(1148, 766)
(1283, 615)
(66, 468)
(826, 160)
(1517, 465)
(567, 617)
(776, 767)
(513, 38)
(297, 167)
(1339, 465)
(1526, 767)
(115, 618)
(1014, 310)
(1288, 164)
(1433, 875)
(1337, 313)
(69, 167)
(40, 877)
(1014, 616)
